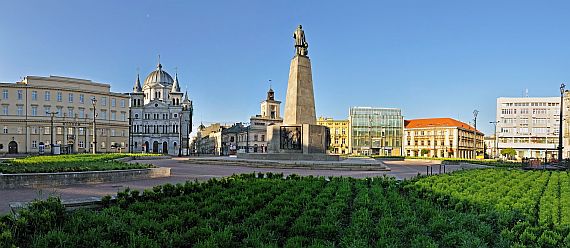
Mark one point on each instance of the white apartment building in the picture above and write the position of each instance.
(530, 125)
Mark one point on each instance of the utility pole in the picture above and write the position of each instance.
(475, 113)
(495, 154)
(52, 114)
(94, 103)
(562, 85)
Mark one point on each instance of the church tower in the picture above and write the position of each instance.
(175, 94)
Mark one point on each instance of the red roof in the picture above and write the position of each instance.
(436, 122)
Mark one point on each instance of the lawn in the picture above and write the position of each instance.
(70, 163)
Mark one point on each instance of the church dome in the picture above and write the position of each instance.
(158, 76)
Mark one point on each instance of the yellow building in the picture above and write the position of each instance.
(37, 110)
(340, 134)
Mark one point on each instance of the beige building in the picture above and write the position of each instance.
(27, 109)
(340, 134)
(443, 138)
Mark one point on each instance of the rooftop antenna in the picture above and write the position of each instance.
(270, 83)
(526, 92)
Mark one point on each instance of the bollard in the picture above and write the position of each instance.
(431, 169)
(427, 169)
(439, 169)
(444, 168)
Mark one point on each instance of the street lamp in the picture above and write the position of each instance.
(94, 103)
(475, 113)
(562, 85)
(495, 155)
(180, 135)
(52, 114)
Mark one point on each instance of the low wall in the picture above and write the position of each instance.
(289, 156)
(38, 180)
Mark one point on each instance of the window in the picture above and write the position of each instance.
(59, 111)
(113, 115)
(34, 111)
(81, 131)
(104, 114)
(122, 103)
(136, 116)
(70, 130)
(81, 144)
(34, 144)
(47, 131)
(20, 110)
(70, 112)
(113, 102)
(4, 94)
(255, 137)
(112, 132)
(47, 110)
(263, 137)
(20, 95)
(34, 95)
(34, 130)
(81, 113)
(59, 96)
(81, 98)
(103, 146)
(59, 130)
(123, 116)
(70, 97)
(104, 101)
(5, 130)
(5, 109)
(47, 96)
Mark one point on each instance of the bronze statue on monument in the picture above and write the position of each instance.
(301, 45)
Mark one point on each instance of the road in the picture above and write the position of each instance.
(182, 171)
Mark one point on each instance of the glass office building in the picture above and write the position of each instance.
(376, 131)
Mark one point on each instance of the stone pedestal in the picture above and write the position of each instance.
(299, 142)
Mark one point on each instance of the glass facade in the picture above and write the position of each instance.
(376, 131)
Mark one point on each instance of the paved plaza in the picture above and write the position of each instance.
(183, 170)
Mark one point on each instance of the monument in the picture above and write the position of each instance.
(298, 138)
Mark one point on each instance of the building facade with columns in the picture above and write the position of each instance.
(29, 106)
(442, 138)
(161, 115)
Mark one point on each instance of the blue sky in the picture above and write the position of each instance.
(429, 58)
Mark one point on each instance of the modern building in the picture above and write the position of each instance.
(530, 125)
(443, 138)
(39, 111)
(376, 131)
(340, 134)
(161, 115)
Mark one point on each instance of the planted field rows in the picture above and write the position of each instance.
(258, 212)
(476, 208)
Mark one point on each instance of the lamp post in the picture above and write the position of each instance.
(475, 113)
(52, 114)
(495, 153)
(180, 135)
(94, 103)
(562, 85)
(370, 135)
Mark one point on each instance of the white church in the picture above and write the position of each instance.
(161, 115)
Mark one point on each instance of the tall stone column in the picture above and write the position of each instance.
(300, 101)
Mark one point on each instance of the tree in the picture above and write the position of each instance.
(424, 151)
(509, 152)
